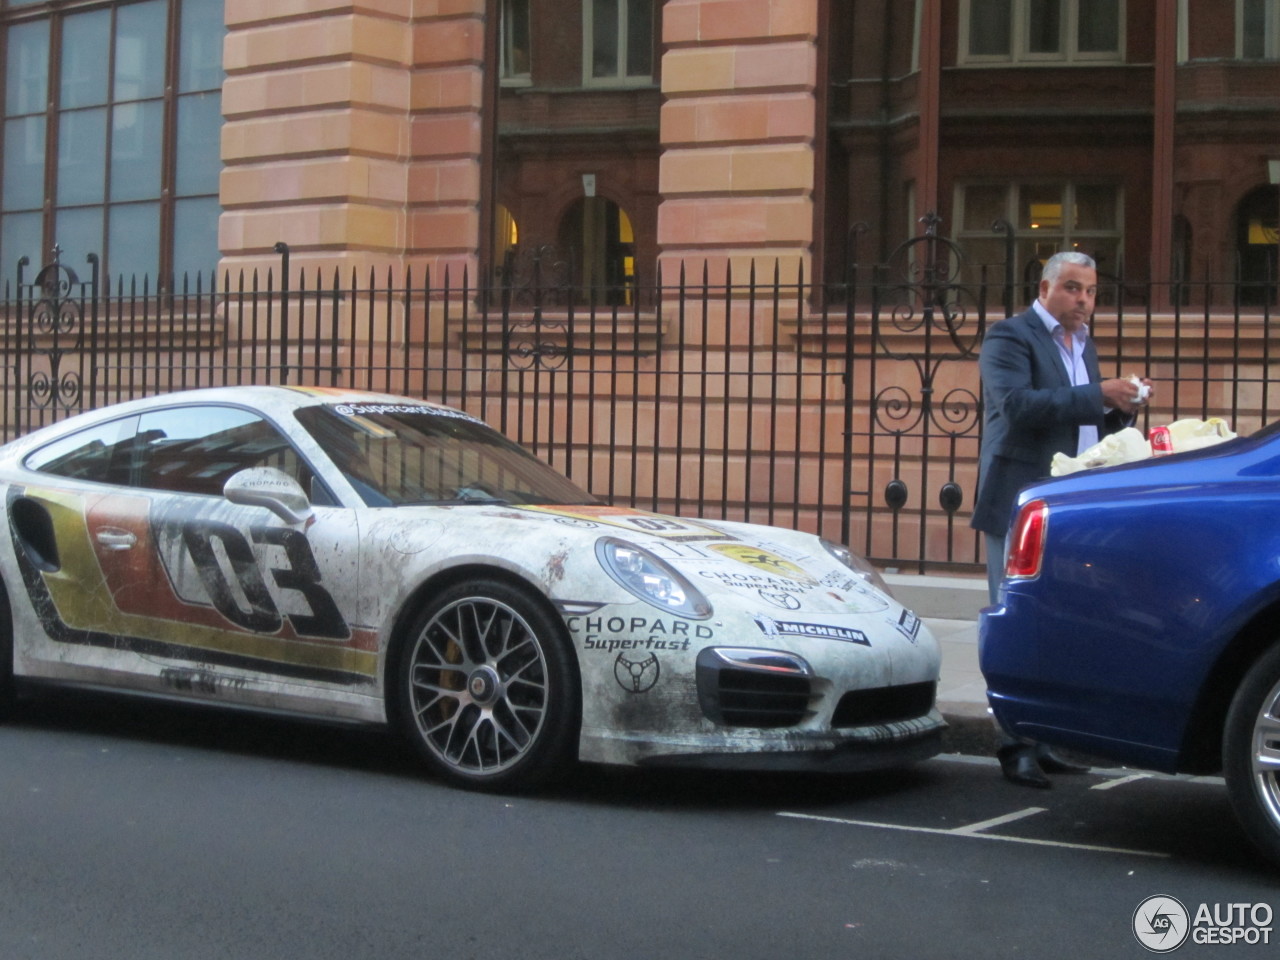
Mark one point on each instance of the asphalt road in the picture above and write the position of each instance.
(138, 830)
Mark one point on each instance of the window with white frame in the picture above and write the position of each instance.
(1041, 31)
(617, 41)
(1047, 217)
(514, 47)
(1258, 29)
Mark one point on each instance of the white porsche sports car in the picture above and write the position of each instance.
(372, 558)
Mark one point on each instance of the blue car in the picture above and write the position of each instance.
(1139, 619)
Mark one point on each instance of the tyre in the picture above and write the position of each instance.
(6, 655)
(486, 687)
(1251, 753)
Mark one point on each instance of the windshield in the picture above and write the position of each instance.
(405, 454)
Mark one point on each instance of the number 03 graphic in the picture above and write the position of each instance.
(257, 611)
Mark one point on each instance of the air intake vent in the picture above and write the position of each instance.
(862, 708)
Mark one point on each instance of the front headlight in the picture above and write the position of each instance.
(858, 565)
(650, 578)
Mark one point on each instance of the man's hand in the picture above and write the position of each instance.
(1122, 394)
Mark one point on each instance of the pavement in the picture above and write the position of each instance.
(949, 608)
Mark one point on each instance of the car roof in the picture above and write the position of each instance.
(274, 401)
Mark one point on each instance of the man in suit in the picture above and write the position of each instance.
(1042, 394)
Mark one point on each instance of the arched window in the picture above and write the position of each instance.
(506, 240)
(597, 239)
(1258, 219)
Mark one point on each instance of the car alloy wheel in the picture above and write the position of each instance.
(488, 692)
(1251, 749)
(6, 654)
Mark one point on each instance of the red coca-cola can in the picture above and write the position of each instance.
(1161, 441)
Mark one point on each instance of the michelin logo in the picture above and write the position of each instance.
(816, 631)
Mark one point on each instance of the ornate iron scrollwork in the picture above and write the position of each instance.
(55, 327)
(920, 294)
(533, 279)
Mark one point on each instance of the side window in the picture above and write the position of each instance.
(196, 449)
(102, 454)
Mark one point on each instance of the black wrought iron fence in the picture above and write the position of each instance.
(852, 409)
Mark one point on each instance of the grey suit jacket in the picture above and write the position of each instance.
(1031, 412)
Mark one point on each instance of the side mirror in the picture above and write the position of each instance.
(270, 488)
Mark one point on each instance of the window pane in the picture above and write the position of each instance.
(1254, 29)
(27, 68)
(1044, 27)
(1040, 208)
(78, 233)
(82, 143)
(1095, 208)
(515, 38)
(141, 30)
(1106, 252)
(85, 41)
(604, 38)
(101, 454)
(133, 239)
(989, 28)
(20, 237)
(1099, 30)
(136, 130)
(24, 142)
(200, 47)
(639, 38)
(197, 451)
(983, 206)
(199, 143)
(195, 238)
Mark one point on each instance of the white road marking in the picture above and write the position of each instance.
(1119, 781)
(997, 821)
(967, 832)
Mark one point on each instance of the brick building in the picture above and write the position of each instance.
(620, 142)
(628, 132)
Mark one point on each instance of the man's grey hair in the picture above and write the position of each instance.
(1058, 260)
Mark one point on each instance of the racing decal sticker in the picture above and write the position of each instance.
(909, 625)
(814, 631)
(636, 676)
(115, 588)
(673, 529)
(779, 598)
(764, 560)
(636, 633)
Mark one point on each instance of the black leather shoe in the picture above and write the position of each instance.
(1018, 764)
(1050, 762)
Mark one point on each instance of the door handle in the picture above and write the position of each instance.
(114, 539)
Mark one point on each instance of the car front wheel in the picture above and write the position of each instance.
(6, 655)
(1251, 753)
(485, 687)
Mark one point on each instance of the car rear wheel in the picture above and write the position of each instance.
(6, 655)
(1251, 753)
(486, 688)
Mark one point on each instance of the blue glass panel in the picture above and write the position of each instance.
(200, 46)
(141, 32)
(19, 237)
(133, 242)
(195, 238)
(199, 143)
(86, 39)
(26, 71)
(78, 233)
(136, 149)
(82, 143)
(24, 143)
